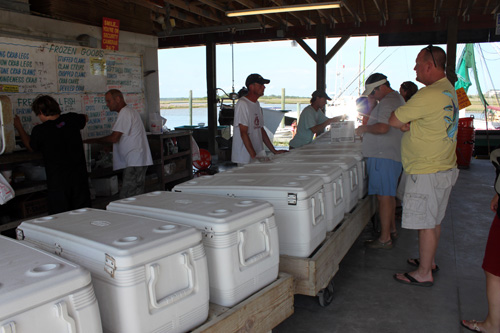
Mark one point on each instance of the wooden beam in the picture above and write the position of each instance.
(353, 13)
(213, 5)
(211, 93)
(410, 17)
(381, 12)
(194, 10)
(306, 48)
(175, 13)
(337, 47)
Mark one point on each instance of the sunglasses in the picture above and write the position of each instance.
(429, 48)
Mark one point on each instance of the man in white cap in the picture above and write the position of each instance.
(312, 120)
(429, 159)
(249, 132)
(382, 149)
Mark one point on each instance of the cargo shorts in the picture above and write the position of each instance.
(426, 198)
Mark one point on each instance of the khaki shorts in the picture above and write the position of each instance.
(426, 198)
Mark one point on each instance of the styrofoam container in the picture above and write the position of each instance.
(348, 164)
(41, 292)
(240, 237)
(325, 150)
(148, 275)
(298, 204)
(332, 183)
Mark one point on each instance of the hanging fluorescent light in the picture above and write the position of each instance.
(284, 9)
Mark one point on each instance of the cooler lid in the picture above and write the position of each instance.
(328, 172)
(345, 162)
(30, 277)
(264, 187)
(95, 234)
(220, 213)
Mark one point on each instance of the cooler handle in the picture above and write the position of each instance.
(61, 309)
(339, 187)
(259, 256)
(10, 327)
(321, 206)
(154, 271)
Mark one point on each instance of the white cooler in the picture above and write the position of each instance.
(349, 172)
(332, 183)
(148, 275)
(338, 150)
(240, 237)
(298, 204)
(41, 292)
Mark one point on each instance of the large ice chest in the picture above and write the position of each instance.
(298, 204)
(240, 237)
(148, 275)
(41, 292)
(348, 164)
(324, 150)
(332, 179)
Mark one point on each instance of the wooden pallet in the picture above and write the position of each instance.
(315, 273)
(261, 312)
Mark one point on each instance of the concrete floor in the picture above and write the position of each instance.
(367, 299)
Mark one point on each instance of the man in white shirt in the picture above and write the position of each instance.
(130, 145)
(249, 132)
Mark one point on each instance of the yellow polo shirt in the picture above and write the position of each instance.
(429, 146)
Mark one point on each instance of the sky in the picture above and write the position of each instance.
(288, 66)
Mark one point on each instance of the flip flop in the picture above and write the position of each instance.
(412, 281)
(474, 328)
(416, 263)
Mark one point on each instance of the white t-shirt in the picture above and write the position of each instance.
(248, 114)
(132, 149)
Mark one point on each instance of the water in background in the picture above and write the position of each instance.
(180, 117)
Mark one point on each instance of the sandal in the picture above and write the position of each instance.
(416, 263)
(412, 281)
(471, 325)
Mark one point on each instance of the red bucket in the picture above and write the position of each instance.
(466, 122)
(465, 146)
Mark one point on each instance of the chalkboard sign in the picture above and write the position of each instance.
(77, 77)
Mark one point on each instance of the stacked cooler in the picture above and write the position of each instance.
(41, 292)
(332, 183)
(240, 237)
(338, 150)
(346, 163)
(148, 275)
(298, 204)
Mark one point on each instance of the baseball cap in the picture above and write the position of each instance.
(320, 93)
(375, 80)
(255, 78)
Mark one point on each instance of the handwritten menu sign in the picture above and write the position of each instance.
(77, 77)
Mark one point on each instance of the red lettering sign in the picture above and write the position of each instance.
(110, 33)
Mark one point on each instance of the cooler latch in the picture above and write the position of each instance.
(208, 232)
(58, 249)
(292, 199)
(19, 234)
(110, 265)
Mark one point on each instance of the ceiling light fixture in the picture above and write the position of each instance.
(284, 9)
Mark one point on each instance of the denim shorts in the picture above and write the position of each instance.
(383, 175)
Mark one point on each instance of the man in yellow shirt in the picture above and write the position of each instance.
(430, 121)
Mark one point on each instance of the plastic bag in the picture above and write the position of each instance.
(6, 191)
